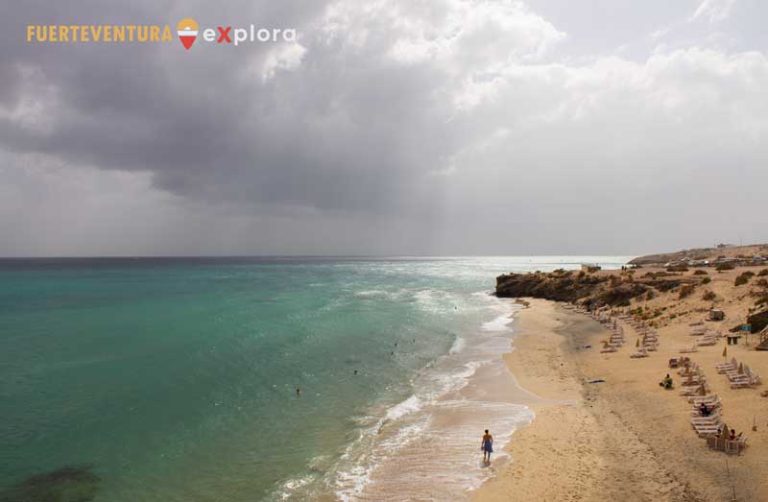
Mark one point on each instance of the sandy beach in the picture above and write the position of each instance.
(626, 437)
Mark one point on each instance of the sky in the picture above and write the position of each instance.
(388, 127)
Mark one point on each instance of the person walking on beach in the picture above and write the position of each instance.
(487, 446)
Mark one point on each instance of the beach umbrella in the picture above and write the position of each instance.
(637, 342)
(725, 351)
(741, 368)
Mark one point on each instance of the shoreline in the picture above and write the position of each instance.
(577, 447)
(445, 421)
(624, 435)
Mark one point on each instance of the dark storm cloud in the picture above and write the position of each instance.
(207, 124)
(414, 126)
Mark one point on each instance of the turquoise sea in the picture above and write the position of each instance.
(175, 379)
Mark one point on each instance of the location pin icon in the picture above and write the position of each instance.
(187, 31)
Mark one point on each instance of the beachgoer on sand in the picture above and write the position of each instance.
(487, 446)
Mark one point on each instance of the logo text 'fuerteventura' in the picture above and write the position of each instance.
(188, 31)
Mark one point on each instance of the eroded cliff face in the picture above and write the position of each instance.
(614, 288)
(564, 287)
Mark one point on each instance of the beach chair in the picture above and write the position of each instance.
(707, 430)
(688, 369)
(640, 353)
(725, 367)
(701, 390)
(693, 380)
(695, 412)
(738, 374)
(716, 442)
(754, 378)
(677, 362)
(713, 419)
(736, 446)
(697, 400)
(711, 402)
(690, 350)
(744, 380)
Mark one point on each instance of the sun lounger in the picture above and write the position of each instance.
(716, 442)
(697, 400)
(698, 330)
(713, 419)
(688, 351)
(689, 369)
(696, 412)
(640, 353)
(736, 446)
(725, 367)
(693, 380)
(708, 430)
(739, 373)
(677, 362)
(701, 390)
(744, 380)
(711, 403)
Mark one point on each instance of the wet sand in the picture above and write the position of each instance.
(579, 446)
(434, 453)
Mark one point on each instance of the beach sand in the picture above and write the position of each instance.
(625, 438)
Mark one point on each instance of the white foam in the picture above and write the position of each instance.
(427, 301)
(381, 294)
(501, 323)
(458, 345)
(399, 410)
(370, 293)
(350, 483)
(289, 488)
(383, 464)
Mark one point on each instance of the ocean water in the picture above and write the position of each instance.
(175, 379)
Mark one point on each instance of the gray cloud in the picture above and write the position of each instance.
(390, 127)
